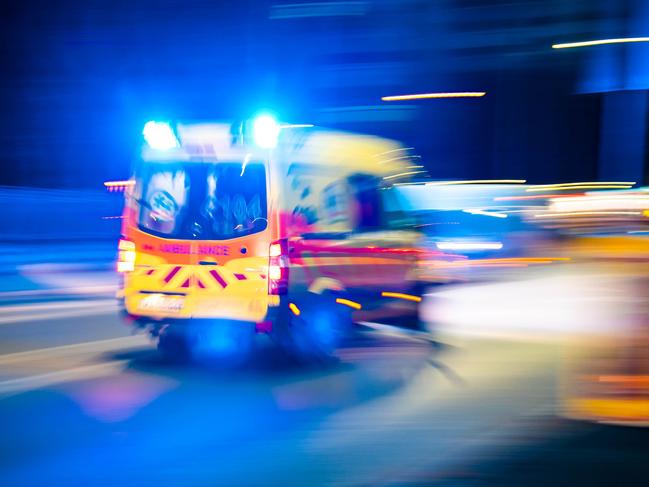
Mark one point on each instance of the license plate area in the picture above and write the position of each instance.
(159, 302)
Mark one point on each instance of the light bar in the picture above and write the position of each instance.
(112, 184)
(600, 42)
(393, 150)
(159, 135)
(118, 185)
(265, 131)
(422, 96)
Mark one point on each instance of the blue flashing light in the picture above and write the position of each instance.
(265, 131)
(160, 135)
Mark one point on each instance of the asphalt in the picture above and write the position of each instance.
(82, 402)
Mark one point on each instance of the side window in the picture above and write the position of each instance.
(302, 197)
(366, 203)
(318, 199)
(336, 202)
(165, 200)
(395, 210)
(202, 201)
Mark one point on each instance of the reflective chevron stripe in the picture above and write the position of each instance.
(219, 279)
(171, 275)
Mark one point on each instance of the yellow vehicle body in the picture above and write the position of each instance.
(206, 291)
(606, 374)
(171, 276)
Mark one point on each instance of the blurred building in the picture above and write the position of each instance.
(80, 79)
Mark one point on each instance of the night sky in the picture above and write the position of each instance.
(79, 80)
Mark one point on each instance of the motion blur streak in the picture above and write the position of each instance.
(294, 309)
(580, 187)
(486, 213)
(461, 94)
(639, 380)
(407, 297)
(296, 126)
(318, 9)
(357, 243)
(347, 302)
(403, 174)
(469, 245)
(536, 197)
(477, 181)
(584, 183)
(504, 262)
(589, 213)
(600, 42)
(399, 158)
(600, 203)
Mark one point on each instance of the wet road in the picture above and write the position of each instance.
(84, 403)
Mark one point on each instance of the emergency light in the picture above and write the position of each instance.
(265, 131)
(160, 135)
(278, 268)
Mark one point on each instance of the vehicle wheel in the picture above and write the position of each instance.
(222, 343)
(320, 328)
(174, 347)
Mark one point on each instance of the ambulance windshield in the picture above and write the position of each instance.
(201, 201)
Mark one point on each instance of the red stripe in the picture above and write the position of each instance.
(218, 279)
(241, 277)
(149, 272)
(200, 284)
(326, 247)
(171, 275)
(185, 284)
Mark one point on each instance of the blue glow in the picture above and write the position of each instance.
(159, 135)
(265, 131)
(323, 328)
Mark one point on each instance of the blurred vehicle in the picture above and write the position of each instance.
(256, 226)
(605, 377)
(483, 245)
(468, 235)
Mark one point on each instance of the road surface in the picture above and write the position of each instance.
(82, 402)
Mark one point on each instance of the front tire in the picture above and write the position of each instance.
(174, 347)
(319, 329)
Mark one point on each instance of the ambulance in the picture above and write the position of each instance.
(260, 227)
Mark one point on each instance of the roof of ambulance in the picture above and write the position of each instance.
(210, 142)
